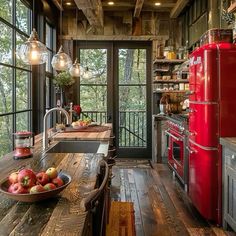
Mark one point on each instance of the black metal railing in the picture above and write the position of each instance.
(132, 126)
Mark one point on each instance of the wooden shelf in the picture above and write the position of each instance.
(171, 91)
(173, 61)
(161, 70)
(232, 8)
(171, 81)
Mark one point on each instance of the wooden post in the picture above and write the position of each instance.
(214, 14)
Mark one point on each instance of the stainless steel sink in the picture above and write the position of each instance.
(79, 147)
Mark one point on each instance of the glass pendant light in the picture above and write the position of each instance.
(75, 68)
(87, 73)
(61, 61)
(33, 52)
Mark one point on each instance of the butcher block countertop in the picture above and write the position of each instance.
(85, 135)
(229, 143)
(60, 215)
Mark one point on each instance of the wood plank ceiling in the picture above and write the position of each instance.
(94, 10)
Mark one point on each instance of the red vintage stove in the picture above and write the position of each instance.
(177, 137)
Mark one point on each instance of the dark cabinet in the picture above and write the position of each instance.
(229, 188)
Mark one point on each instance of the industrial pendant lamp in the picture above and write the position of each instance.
(33, 52)
(75, 68)
(87, 73)
(61, 61)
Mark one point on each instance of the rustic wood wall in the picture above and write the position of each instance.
(154, 26)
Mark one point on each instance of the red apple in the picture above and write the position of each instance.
(49, 186)
(13, 177)
(17, 189)
(37, 189)
(58, 182)
(42, 178)
(27, 178)
(51, 172)
(10, 189)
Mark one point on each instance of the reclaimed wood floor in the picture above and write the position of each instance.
(160, 203)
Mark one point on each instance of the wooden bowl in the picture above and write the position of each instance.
(78, 127)
(34, 197)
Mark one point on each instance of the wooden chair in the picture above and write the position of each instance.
(97, 202)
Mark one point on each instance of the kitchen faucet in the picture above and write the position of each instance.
(45, 132)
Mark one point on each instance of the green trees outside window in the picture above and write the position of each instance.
(15, 77)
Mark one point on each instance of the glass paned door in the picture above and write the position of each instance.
(132, 102)
(93, 84)
(114, 87)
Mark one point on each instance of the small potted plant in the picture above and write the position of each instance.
(63, 79)
(63, 82)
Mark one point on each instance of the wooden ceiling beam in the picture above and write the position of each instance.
(58, 5)
(178, 8)
(138, 8)
(124, 6)
(93, 11)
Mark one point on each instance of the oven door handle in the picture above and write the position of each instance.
(173, 136)
(190, 150)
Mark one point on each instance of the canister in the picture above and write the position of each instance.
(181, 86)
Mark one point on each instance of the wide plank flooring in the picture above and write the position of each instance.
(161, 205)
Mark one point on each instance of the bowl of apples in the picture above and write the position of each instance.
(28, 186)
(79, 124)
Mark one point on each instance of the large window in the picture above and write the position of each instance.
(15, 77)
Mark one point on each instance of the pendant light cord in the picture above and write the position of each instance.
(61, 24)
(76, 42)
(33, 26)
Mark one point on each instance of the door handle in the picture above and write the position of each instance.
(173, 136)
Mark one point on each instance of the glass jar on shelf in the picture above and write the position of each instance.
(159, 87)
(176, 87)
(181, 86)
(171, 53)
(180, 53)
(171, 86)
(186, 86)
(165, 87)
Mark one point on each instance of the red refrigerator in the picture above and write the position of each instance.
(212, 114)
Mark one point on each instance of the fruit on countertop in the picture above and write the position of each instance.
(49, 186)
(58, 182)
(13, 177)
(27, 181)
(42, 178)
(81, 123)
(27, 178)
(51, 172)
(17, 188)
(37, 189)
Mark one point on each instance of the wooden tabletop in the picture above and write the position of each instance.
(80, 135)
(61, 215)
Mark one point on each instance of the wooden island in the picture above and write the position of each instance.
(87, 135)
(60, 215)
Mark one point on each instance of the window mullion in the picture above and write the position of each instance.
(14, 69)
